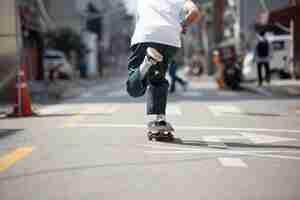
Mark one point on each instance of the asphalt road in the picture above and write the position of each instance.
(229, 145)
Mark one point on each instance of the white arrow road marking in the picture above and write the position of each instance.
(264, 139)
(232, 162)
(173, 110)
(219, 110)
(189, 128)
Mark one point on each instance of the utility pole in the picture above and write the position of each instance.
(292, 47)
(238, 25)
(19, 49)
(219, 20)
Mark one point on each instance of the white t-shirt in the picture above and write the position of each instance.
(158, 21)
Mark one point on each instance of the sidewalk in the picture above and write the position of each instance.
(277, 88)
(43, 94)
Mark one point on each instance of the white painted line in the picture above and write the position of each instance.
(231, 152)
(264, 139)
(54, 109)
(255, 138)
(232, 162)
(214, 142)
(219, 110)
(173, 110)
(277, 156)
(101, 109)
(170, 148)
(209, 139)
(192, 94)
(263, 154)
(120, 93)
(92, 125)
(190, 128)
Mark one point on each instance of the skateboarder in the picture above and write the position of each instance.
(156, 39)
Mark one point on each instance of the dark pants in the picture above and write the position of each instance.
(155, 84)
(266, 65)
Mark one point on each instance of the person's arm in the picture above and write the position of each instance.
(193, 14)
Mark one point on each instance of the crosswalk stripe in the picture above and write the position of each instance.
(219, 110)
(232, 162)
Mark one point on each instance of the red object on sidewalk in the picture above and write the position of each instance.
(22, 107)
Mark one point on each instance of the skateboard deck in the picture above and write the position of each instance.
(160, 133)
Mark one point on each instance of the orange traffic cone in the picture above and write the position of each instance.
(22, 107)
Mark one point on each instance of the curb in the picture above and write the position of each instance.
(259, 91)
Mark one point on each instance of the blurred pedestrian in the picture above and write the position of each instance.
(262, 57)
(219, 69)
(175, 78)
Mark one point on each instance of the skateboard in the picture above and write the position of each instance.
(160, 133)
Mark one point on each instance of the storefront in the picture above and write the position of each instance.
(289, 17)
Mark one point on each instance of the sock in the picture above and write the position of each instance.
(145, 66)
(147, 63)
(161, 117)
(151, 118)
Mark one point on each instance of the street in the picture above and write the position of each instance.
(229, 145)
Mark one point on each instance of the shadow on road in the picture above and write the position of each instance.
(58, 115)
(227, 145)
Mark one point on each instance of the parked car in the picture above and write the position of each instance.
(56, 65)
(279, 64)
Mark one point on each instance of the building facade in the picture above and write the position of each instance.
(8, 50)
